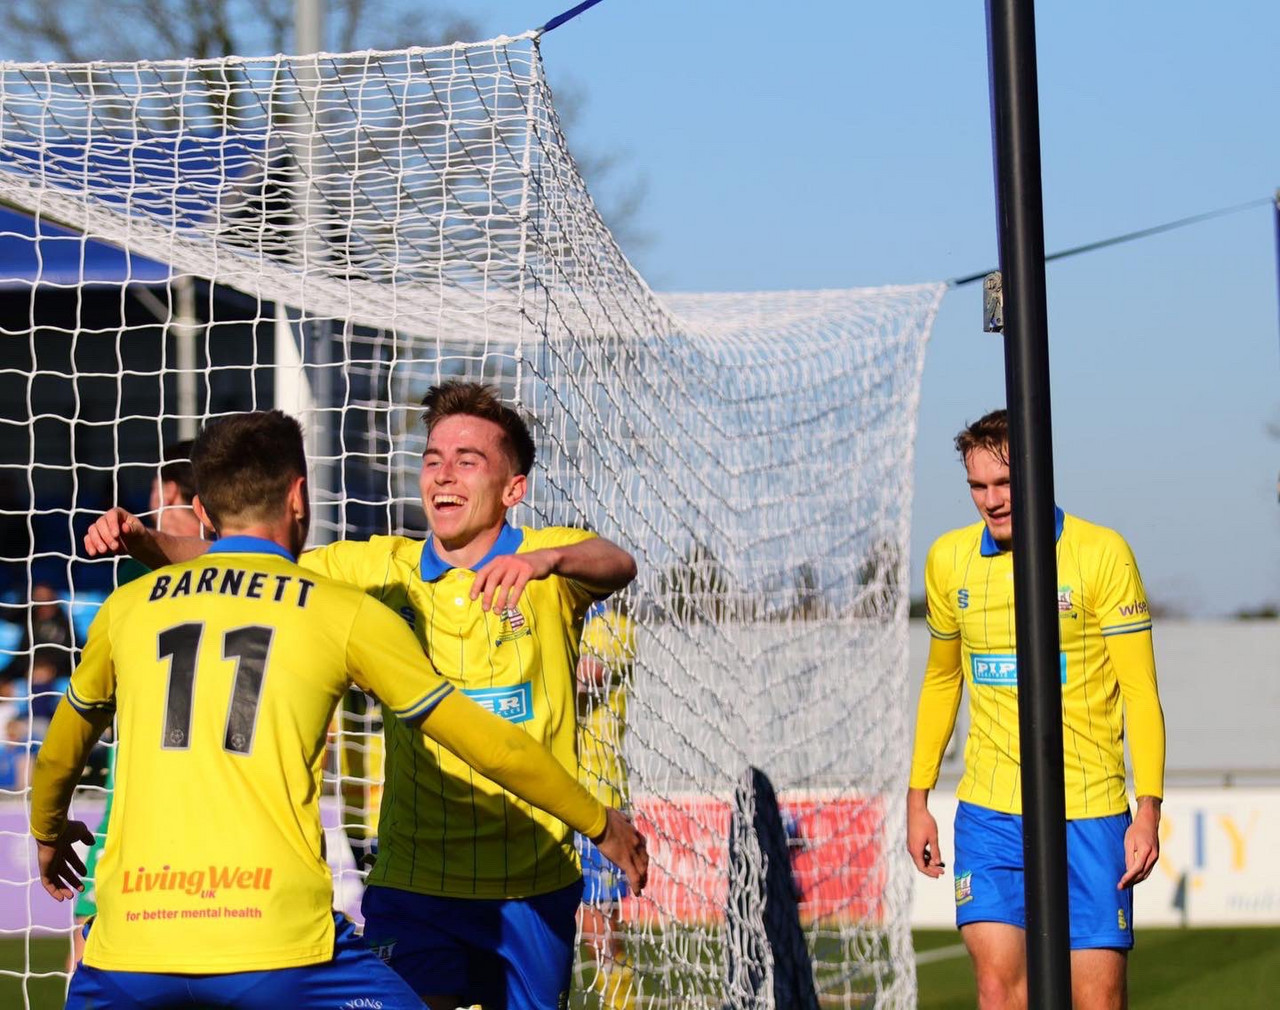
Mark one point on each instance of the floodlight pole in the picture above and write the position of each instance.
(1015, 118)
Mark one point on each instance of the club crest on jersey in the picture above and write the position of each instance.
(513, 626)
(964, 888)
(1065, 604)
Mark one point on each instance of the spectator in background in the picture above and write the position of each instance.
(17, 753)
(51, 631)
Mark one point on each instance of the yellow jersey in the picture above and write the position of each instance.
(610, 639)
(224, 673)
(1107, 670)
(443, 828)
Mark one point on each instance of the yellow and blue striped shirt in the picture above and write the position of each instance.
(1107, 670)
(444, 829)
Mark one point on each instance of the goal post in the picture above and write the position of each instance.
(421, 220)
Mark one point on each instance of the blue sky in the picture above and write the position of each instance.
(834, 144)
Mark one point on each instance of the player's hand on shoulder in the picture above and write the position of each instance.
(112, 532)
(625, 847)
(498, 584)
(61, 868)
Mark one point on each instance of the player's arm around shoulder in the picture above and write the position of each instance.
(117, 532)
(384, 658)
(598, 565)
(517, 762)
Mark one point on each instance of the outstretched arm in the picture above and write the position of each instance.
(594, 562)
(517, 762)
(119, 532)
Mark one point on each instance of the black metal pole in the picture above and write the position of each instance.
(1015, 117)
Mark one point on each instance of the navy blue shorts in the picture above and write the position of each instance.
(508, 954)
(353, 978)
(989, 875)
(603, 883)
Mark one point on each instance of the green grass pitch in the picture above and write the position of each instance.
(1171, 969)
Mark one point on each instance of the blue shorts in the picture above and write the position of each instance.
(603, 883)
(508, 954)
(989, 875)
(353, 978)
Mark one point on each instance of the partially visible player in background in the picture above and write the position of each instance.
(605, 672)
(224, 673)
(172, 491)
(1108, 696)
(473, 897)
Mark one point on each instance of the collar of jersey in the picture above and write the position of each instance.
(990, 548)
(508, 542)
(249, 545)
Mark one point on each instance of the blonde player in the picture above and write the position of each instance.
(474, 892)
(224, 673)
(1108, 695)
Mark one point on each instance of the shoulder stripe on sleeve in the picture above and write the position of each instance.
(85, 707)
(1126, 629)
(424, 704)
(944, 636)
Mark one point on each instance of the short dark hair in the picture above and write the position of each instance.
(177, 469)
(244, 464)
(990, 432)
(475, 399)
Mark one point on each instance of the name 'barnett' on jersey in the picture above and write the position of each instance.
(233, 582)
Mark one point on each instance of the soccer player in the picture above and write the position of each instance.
(1108, 695)
(172, 491)
(605, 670)
(224, 673)
(473, 895)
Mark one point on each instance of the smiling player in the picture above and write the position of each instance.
(474, 893)
(224, 673)
(1108, 694)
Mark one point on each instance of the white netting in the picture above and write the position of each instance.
(333, 235)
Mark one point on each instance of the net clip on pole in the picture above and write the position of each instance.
(993, 303)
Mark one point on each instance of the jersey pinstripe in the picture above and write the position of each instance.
(224, 673)
(969, 590)
(445, 829)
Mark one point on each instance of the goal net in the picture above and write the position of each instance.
(333, 235)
